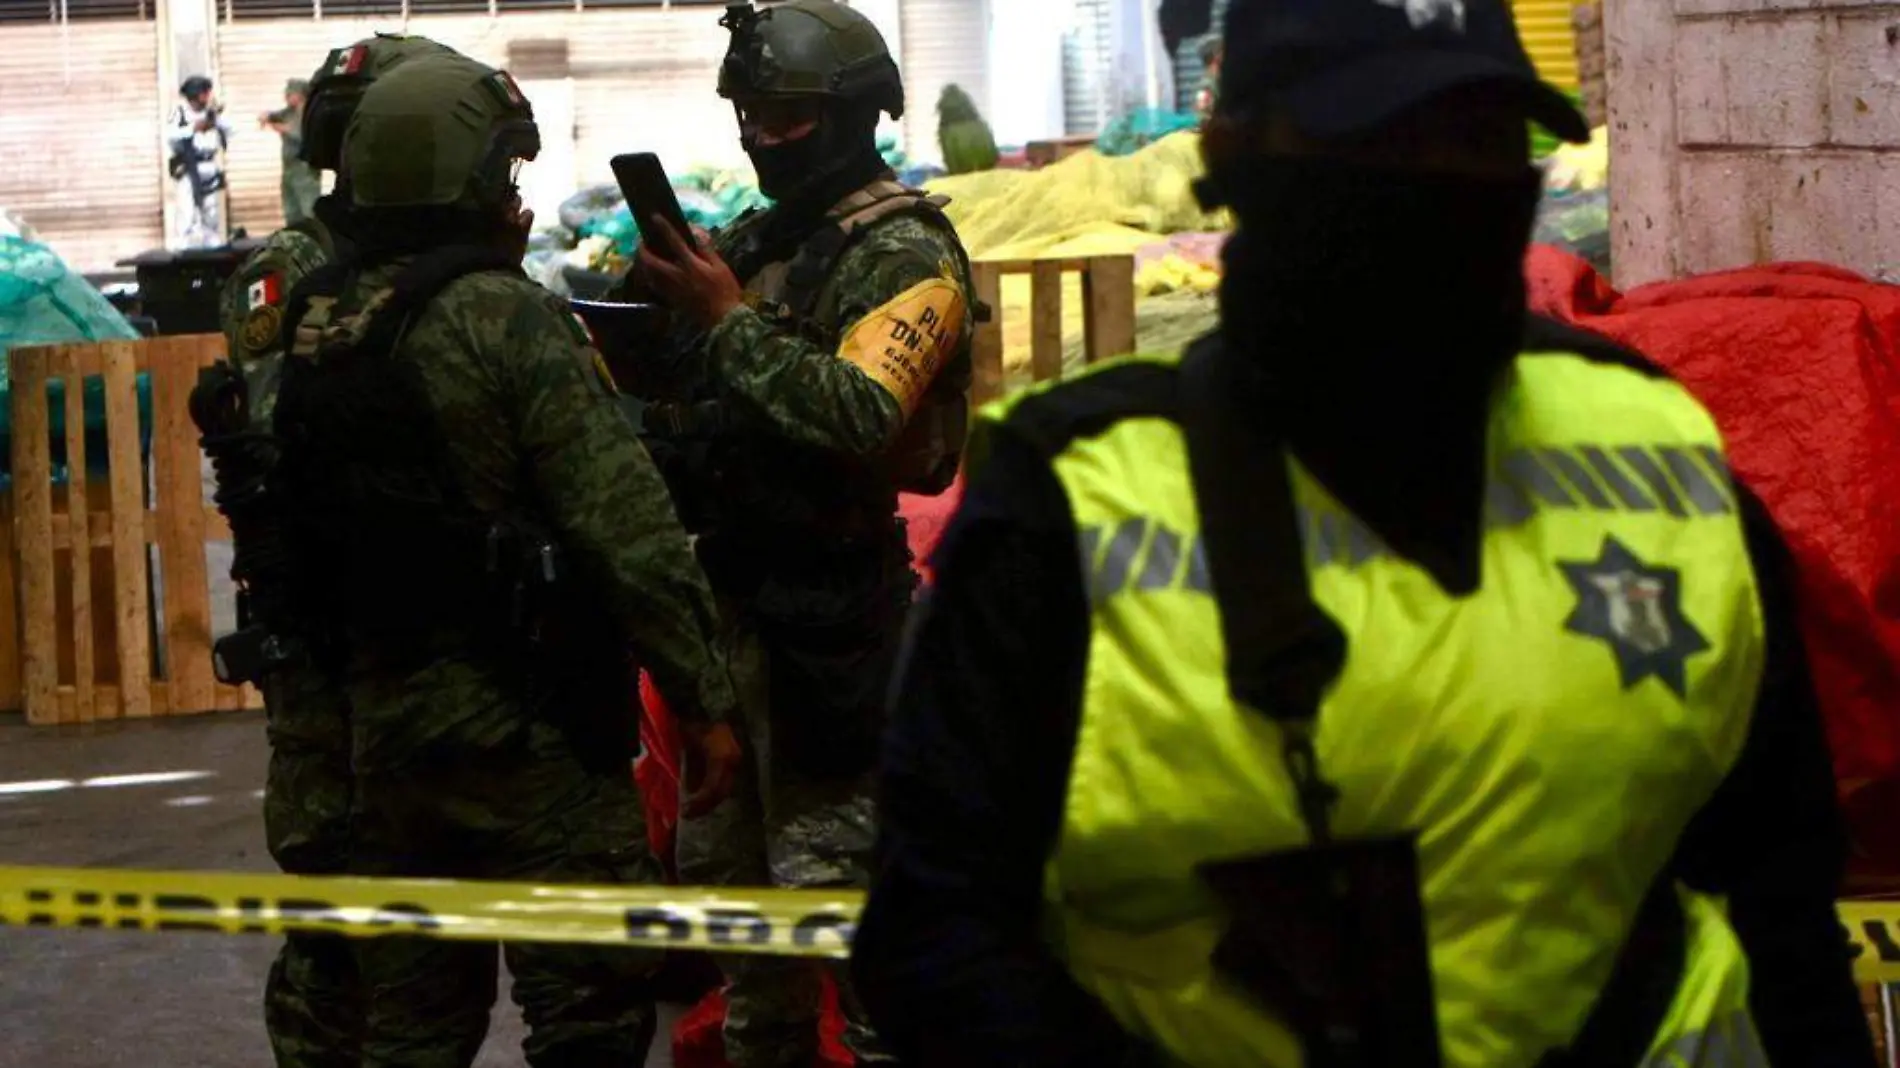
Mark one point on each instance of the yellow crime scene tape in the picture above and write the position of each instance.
(798, 923)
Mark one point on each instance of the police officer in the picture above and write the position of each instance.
(829, 373)
(194, 138)
(482, 539)
(1424, 692)
(313, 1007)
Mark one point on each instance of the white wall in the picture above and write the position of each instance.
(1026, 69)
(887, 17)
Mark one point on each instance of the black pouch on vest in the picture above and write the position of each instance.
(1333, 938)
(832, 638)
(1330, 937)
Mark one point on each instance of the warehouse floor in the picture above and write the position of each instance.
(101, 797)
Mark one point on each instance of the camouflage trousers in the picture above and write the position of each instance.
(785, 830)
(299, 189)
(524, 808)
(313, 997)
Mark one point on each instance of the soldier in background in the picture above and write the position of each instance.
(830, 372)
(313, 1000)
(300, 186)
(484, 541)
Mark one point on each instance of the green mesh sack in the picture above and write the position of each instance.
(42, 302)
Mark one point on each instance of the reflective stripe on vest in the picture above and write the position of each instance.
(1549, 737)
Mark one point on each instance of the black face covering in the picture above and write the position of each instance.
(1361, 285)
(838, 157)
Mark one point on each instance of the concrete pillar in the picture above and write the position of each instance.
(1746, 131)
(187, 45)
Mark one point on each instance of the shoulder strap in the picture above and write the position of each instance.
(1545, 334)
(1282, 649)
(812, 264)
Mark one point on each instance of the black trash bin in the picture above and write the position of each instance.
(179, 290)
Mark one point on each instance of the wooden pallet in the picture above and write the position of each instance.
(81, 554)
(1108, 295)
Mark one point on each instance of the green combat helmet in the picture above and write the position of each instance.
(338, 85)
(440, 132)
(814, 50)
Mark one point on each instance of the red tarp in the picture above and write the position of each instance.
(696, 1041)
(1800, 364)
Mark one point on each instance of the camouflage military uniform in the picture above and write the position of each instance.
(488, 545)
(457, 775)
(300, 185)
(793, 825)
(313, 1003)
(313, 998)
(840, 380)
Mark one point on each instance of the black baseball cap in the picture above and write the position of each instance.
(1340, 67)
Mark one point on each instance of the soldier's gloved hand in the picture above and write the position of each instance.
(694, 282)
(712, 765)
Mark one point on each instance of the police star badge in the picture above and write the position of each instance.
(1637, 611)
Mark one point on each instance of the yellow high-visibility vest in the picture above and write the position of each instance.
(1548, 737)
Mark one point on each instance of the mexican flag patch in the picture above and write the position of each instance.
(348, 61)
(266, 292)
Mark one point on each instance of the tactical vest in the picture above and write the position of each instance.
(390, 552)
(926, 456)
(1547, 738)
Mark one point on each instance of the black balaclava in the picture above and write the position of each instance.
(1376, 288)
(838, 157)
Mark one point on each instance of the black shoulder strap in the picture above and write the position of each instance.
(811, 266)
(1083, 407)
(1544, 334)
(1282, 650)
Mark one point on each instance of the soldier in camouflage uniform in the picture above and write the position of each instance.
(831, 371)
(313, 1004)
(486, 543)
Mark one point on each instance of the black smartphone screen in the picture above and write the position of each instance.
(649, 192)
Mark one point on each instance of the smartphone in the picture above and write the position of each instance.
(649, 192)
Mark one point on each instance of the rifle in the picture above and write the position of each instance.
(185, 158)
(242, 456)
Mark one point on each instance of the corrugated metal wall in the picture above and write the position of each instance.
(643, 80)
(81, 137)
(1548, 36)
(945, 42)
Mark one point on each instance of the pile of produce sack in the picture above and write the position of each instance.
(595, 234)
